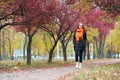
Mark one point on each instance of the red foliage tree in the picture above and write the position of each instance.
(111, 6)
(9, 11)
(36, 14)
(70, 2)
(64, 19)
(97, 19)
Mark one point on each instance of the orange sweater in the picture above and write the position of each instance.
(79, 34)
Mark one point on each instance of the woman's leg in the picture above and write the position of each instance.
(76, 59)
(80, 56)
(76, 55)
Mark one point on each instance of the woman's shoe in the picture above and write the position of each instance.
(77, 65)
(80, 65)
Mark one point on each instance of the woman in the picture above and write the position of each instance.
(79, 42)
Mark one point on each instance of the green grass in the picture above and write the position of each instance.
(108, 72)
(34, 64)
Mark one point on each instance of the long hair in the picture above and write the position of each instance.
(84, 28)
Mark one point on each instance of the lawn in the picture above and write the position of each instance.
(107, 72)
(11, 65)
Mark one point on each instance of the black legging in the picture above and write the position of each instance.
(78, 54)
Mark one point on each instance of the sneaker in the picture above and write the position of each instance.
(80, 65)
(77, 65)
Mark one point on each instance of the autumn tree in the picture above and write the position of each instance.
(112, 42)
(81, 5)
(64, 18)
(91, 34)
(67, 36)
(64, 40)
(36, 14)
(111, 6)
(10, 34)
(97, 19)
(41, 43)
(13, 37)
(10, 10)
(3, 53)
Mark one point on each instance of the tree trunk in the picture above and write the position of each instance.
(3, 55)
(29, 51)
(51, 52)
(50, 55)
(117, 53)
(24, 46)
(111, 52)
(38, 51)
(64, 41)
(0, 56)
(10, 51)
(84, 52)
(0, 46)
(88, 53)
(102, 46)
(0, 50)
(99, 49)
(12, 55)
(64, 51)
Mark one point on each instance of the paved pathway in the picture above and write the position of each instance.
(57, 73)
